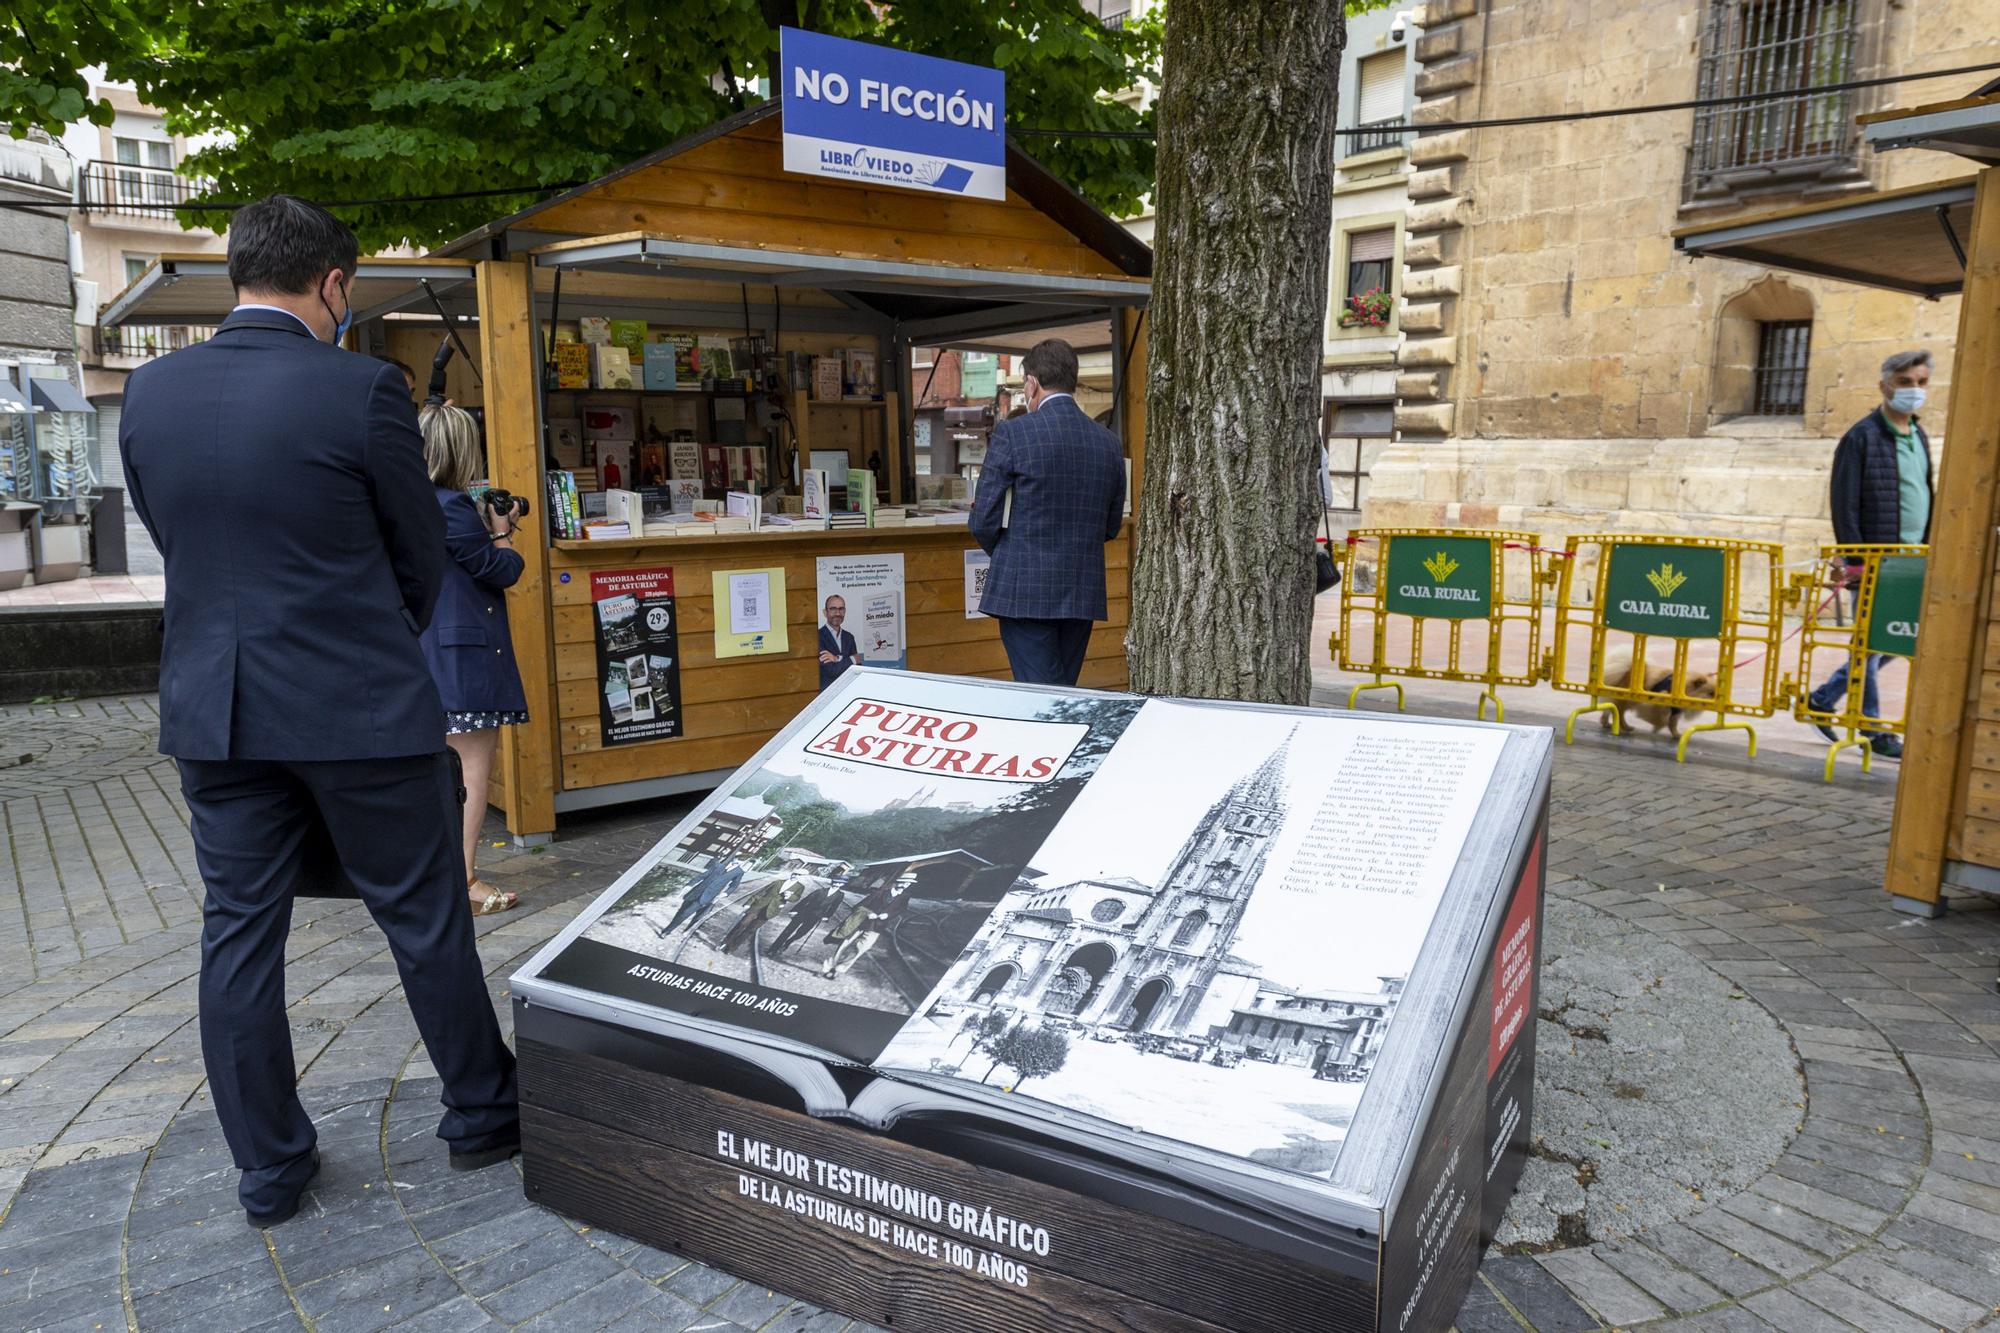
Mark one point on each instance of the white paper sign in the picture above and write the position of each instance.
(750, 603)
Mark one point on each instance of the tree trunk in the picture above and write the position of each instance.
(1222, 591)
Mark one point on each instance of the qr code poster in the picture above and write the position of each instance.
(977, 565)
(749, 612)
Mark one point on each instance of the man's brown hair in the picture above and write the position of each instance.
(1053, 362)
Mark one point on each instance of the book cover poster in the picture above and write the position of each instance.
(1224, 970)
(978, 565)
(750, 612)
(833, 886)
(683, 461)
(866, 591)
(638, 655)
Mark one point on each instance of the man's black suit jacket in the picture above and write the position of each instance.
(283, 480)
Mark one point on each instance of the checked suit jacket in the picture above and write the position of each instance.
(1067, 476)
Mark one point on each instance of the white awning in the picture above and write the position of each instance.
(195, 289)
(661, 256)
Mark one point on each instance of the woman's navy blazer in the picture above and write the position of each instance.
(470, 652)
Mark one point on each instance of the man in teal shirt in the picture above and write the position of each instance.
(1882, 494)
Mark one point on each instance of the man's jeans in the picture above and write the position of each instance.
(1826, 698)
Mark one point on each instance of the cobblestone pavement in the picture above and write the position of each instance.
(1881, 1213)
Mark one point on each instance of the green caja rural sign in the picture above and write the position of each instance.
(1674, 592)
(1443, 578)
(1898, 601)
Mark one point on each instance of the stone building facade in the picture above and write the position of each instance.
(1563, 370)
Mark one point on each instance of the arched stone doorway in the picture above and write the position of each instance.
(1076, 984)
(994, 982)
(1146, 1004)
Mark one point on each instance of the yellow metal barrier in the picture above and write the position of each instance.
(1442, 583)
(1619, 592)
(1885, 587)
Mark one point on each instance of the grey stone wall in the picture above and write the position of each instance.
(37, 304)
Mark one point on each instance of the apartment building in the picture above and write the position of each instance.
(126, 188)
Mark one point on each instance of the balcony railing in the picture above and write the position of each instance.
(1111, 13)
(123, 189)
(148, 340)
(1371, 137)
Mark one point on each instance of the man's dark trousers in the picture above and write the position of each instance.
(1045, 652)
(250, 821)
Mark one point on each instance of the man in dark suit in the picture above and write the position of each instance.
(283, 482)
(837, 649)
(1063, 477)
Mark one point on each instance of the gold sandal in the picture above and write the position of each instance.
(494, 901)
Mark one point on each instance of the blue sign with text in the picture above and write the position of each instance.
(879, 116)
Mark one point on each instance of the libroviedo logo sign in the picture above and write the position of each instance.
(1673, 591)
(1899, 599)
(885, 117)
(1444, 578)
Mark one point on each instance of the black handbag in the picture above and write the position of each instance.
(1326, 574)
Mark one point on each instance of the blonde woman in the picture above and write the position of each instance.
(470, 652)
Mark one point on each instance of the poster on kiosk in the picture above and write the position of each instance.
(878, 116)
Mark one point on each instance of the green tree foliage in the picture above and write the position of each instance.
(394, 98)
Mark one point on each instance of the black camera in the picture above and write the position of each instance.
(438, 363)
(493, 500)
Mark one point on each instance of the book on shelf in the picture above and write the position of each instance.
(861, 493)
(626, 507)
(630, 334)
(862, 372)
(594, 329)
(732, 420)
(746, 505)
(813, 493)
(565, 511)
(590, 500)
(675, 418)
(652, 465)
(714, 352)
(683, 461)
(687, 361)
(572, 365)
(604, 421)
(826, 379)
(657, 366)
(603, 529)
(610, 366)
(1234, 1004)
(566, 441)
(614, 464)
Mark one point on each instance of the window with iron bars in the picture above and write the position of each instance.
(1779, 385)
(1767, 46)
(1111, 13)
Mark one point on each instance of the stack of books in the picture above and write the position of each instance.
(604, 529)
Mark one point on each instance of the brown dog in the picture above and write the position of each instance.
(1662, 717)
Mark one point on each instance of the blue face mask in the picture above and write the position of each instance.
(346, 321)
(1906, 400)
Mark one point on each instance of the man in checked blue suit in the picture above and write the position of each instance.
(1051, 494)
(283, 482)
